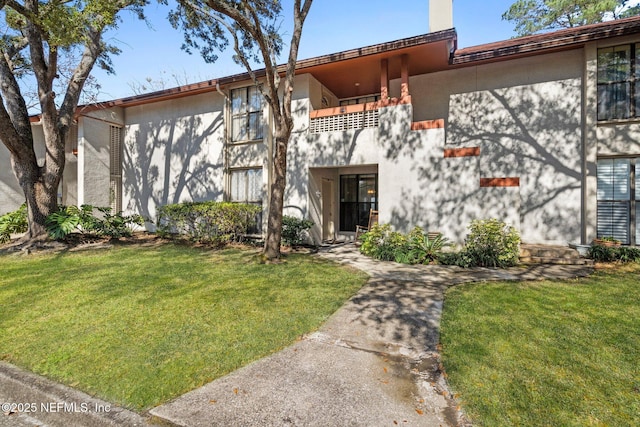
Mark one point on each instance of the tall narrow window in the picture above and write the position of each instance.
(246, 114)
(358, 195)
(115, 168)
(618, 87)
(246, 186)
(615, 201)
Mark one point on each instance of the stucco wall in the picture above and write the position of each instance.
(173, 152)
(11, 196)
(524, 115)
(618, 138)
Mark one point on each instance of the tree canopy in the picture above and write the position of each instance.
(533, 16)
(253, 29)
(56, 44)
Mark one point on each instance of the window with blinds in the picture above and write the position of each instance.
(115, 168)
(617, 200)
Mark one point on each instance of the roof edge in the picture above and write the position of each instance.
(555, 40)
(210, 85)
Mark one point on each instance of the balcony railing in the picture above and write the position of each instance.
(347, 117)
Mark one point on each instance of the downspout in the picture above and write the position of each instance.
(225, 167)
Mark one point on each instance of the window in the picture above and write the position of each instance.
(618, 212)
(618, 72)
(359, 100)
(246, 114)
(246, 186)
(358, 195)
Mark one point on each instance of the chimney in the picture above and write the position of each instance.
(440, 15)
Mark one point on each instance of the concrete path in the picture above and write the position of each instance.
(30, 400)
(373, 363)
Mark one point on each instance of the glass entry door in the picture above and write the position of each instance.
(358, 195)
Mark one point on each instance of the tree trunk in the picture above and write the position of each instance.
(276, 204)
(41, 197)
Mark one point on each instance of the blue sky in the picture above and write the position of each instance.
(332, 26)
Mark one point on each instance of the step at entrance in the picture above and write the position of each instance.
(550, 254)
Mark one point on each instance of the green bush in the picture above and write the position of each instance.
(491, 243)
(424, 250)
(602, 253)
(82, 219)
(414, 248)
(13, 222)
(459, 258)
(382, 243)
(294, 230)
(207, 222)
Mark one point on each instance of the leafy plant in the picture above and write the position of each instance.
(294, 230)
(383, 243)
(604, 253)
(13, 222)
(422, 249)
(115, 225)
(207, 222)
(414, 248)
(71, 218)
(491, 243)
(459, 258)
(65, 221)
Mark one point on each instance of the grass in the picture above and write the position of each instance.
(563, 353)
(139, 326)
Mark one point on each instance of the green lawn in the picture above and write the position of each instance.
(562, 353)
(139, 326)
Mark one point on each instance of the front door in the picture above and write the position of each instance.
(358, 195)
(328, 227)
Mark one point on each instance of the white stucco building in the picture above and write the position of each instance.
(541, 131)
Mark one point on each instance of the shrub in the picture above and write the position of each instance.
(603, 253)
(460, 259)
(13, 222)
(207, 222)
(82, 219)
(115, 225)
(382, 243)
(628, 254)
(422, 249)
(491, 243)
(414, 248)
(294, 230)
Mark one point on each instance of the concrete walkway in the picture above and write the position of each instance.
(373, 363)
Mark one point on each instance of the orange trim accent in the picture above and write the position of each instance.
(356, 108)
(428, 124)
(462, 152)
(384, 79)
(404, 74)
(500, 182)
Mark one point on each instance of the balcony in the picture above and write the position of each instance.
(347, 117)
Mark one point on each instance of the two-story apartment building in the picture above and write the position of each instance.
(540, 131)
